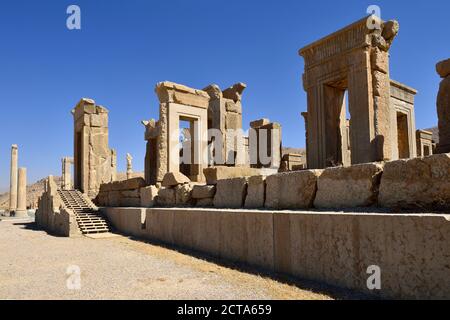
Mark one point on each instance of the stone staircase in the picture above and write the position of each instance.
(88, 218)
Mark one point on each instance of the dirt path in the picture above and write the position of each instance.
(33, 265)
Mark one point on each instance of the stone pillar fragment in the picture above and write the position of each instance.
(66, 183)
(129, 166)
(267, 145)
(21, 210)
(443, 107)
(13, 179)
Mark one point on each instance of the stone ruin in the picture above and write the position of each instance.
(215, 130)
(17, 186)
(369, 160)
(94, 162)
(353, 59)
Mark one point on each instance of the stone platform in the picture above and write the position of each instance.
(337, 248)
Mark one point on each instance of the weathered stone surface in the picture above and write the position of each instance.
(174, 92)
(380, 60)
(259, 123)
(231, 193)
(213, 174)
(443, 111)
(95, 162)
(255, 192)
(233, 121)
(99, 120)
(148, 196)
(174, 178)
(443, 68)
(130, 184)
(232, 106)
(291, 190)
(390, 29)
(166, 197)
(130, 193)
(346, 187)
(205, 202)
(334, 248)
(183, 194)
(353, 64)
(234, 92)
(202, 192)
(130, 202)
(416, 183)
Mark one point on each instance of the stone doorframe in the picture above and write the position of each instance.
(354, 58)
(178, 102)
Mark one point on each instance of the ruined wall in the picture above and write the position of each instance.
(133, 192)
(225, 114)
(52, 216)
(94, 162)
(443, 106)
(335, 248)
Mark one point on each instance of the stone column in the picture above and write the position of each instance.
(443, 107)
(129, 166)
(13, 179)
(21, 210)
(66, 173)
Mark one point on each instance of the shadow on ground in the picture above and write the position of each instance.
(303, 284)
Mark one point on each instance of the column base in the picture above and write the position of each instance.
(21, 214)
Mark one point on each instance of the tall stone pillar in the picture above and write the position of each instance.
(443, 107)
(13, 179)
(94, 161)
(66, 173)
(21, 210)
(129, 166)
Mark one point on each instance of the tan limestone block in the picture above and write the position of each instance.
(205, 202)
(230, 193)
(416, 183)
(259, 123)
(183, 194)
(233, 121)
(166, 197)
(255, 192)
(291, 190)
(148, 196)
(99, 120)
(201, 192)
(213, 174)
(346, 187)
(174, 178)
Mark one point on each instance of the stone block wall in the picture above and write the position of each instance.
(52, 216)
(411, 250)
(127, 193)
(418, 184)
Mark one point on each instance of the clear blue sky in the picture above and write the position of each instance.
(126, 47)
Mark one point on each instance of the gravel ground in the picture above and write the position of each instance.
(33, 265)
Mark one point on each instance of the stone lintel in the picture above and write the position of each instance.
(348, 38)
(173, 92)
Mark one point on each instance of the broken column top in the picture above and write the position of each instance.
(259, 123)
(86, 105)
(14, 146)
(443, 68)
(178, 93)
(232, 93)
